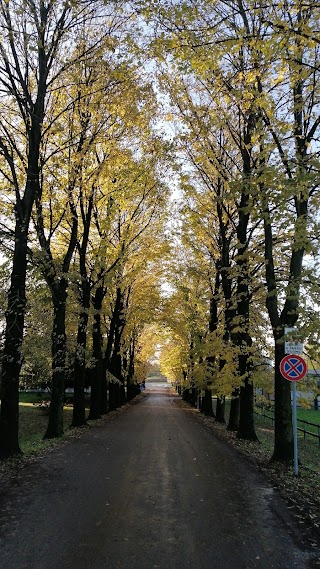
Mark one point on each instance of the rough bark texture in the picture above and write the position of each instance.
(97, 368)
(79, 411)
(283, 434)
(55, 424)
(220, 409)
(11, 360)
(242, 337)
(283, 441)
(206, 405)
(246, 428)
(116, 364)
(229, 309)
(131, 391)
(246, 420)
(234, 416)
(193, 397)
(58, 287)
(113, 396)
(186, 395)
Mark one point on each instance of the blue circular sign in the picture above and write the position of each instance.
(293, 367)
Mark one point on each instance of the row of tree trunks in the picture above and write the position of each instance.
(192, 396)
(241, 417)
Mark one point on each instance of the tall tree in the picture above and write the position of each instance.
(34, 50)
(294, 134)
(80, 128)
(263, 55)
(108, 103)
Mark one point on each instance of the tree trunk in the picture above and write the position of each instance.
(97, 369)
(116, 362)
(186, 395)
(207, 403)
(33, 115)
(234, 416)
(79, 411)
(113, 355)
(112, 396)
(246, 423)
(193, 397)
(220, 409)
(283, 433)
(107, 365)
(130, 388)
(283, 442)
(122, 394)
(104, 408)
(115, 396)
(246, 420)
(55, 425)
(243, 338)
(104, 391)
(11, 359)
(15, 313)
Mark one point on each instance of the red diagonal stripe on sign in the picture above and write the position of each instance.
(292, 368)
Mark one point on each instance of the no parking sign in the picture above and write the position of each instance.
(293, 368)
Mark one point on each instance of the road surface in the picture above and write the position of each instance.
(147, 488)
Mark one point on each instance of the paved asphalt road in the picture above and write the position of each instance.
(148, 488)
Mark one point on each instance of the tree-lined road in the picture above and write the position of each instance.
(147, 488)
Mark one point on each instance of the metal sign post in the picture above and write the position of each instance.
(293, 368)
(295, 429)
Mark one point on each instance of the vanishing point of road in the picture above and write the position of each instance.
(147, 488)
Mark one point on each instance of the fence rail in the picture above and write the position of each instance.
(302, 429)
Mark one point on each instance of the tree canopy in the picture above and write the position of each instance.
(159, 168)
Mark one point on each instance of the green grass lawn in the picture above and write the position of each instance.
(27, 397)
(33, 419)
(309, 449)
(33, 422)
(310, 415)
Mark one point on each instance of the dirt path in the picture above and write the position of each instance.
(150, 489)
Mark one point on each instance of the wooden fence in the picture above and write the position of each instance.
(269, 414)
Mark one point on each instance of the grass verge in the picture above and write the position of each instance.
(33, 421)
